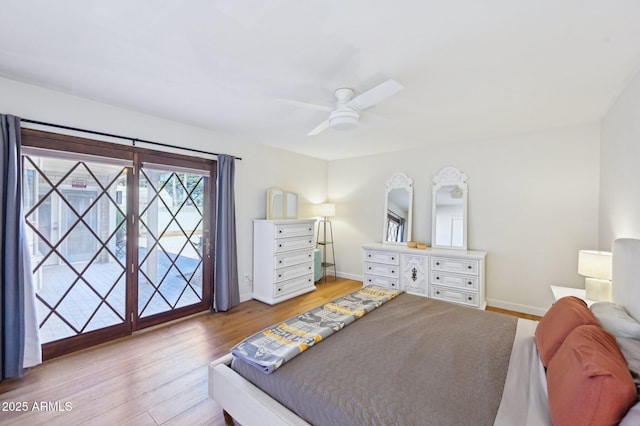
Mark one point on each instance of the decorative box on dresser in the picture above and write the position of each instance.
(283, 259)
(452, 275)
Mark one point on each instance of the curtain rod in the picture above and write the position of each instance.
(133, 140)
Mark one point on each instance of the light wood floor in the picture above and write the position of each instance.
(154, 377)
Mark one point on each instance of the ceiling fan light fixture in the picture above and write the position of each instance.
(346, 114)
(344, 120)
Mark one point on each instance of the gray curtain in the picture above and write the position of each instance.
(226, 293)
(12, 305)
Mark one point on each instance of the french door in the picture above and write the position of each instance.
(172, 241)
(119, 237)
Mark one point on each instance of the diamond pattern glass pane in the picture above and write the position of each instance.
(76, 232)
(103, 318)
(104, 273)
(54, 328)
(78, 305)
(59, 279)
(170, 232)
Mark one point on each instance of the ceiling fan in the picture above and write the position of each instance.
(346, 112)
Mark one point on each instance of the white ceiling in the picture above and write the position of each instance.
(472, 69)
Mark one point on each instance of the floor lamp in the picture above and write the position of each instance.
(326, 210)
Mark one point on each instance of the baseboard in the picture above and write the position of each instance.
(354, 277)
(525, 309)
(245, 296)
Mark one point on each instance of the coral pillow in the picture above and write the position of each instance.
(588, 380)
(560, 320)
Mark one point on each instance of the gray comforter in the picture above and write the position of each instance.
(413, 361)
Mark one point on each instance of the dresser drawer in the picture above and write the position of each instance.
(390, 271)
(293, 258)
(289, 286)
(468, 282)
(382, 257)
(293, 230)
(283, 274)
(295, 243)
(456, 296)
(381, 281)
(448, 264)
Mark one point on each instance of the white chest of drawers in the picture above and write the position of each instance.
(450, 275)
(282, 259)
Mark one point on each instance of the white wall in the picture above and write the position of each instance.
(533, 203)
(260, 168)
(620, 168)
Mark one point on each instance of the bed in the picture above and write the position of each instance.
(416, 360)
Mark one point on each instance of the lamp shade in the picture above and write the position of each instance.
(595, 264)
(325, 210)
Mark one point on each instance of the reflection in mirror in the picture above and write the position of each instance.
(292, 205)
(449, 226)
(398, 205)
(275, 203)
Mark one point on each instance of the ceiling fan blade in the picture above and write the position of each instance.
(322, 127)
(305, 105)
(375, 95)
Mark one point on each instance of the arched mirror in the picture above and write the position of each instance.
(449, 216)
(398, 209)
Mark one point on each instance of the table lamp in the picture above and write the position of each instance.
(595, 266)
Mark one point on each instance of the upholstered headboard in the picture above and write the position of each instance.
(625, 288)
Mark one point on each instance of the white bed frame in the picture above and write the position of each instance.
(249, 405)
(246, 403)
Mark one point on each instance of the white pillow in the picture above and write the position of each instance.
(615, 319)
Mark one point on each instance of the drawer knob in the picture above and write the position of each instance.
(369, 280)
(369, 255)
(309, 267)
(280, 231)
(279, 245)
(468, 266)
(470, 298)
(437, 263)
(279, 275)
(438, 292)
(369, 267)
(280, 261)
(393, 258)
(437, 277)
(393, 272)
(470, 282)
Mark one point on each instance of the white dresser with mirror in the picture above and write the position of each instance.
(446, 271)
(451, 275)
